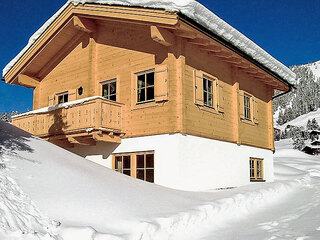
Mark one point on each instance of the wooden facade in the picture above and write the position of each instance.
(87, 45)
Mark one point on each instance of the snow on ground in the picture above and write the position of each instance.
(302, 120)
(191, 9)
(49, 193)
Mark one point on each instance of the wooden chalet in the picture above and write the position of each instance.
(152, 94)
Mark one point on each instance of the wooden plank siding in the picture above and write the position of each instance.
(121, 49)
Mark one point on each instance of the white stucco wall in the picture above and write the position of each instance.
(188, 162)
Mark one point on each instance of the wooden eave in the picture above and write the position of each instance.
(63, 30)
(218, 47)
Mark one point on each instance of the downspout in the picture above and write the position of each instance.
(291, 87)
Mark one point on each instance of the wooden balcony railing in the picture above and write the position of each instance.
(81, 118)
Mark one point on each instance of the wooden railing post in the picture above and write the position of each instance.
(98, 113)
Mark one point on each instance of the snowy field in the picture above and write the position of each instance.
(49, 193)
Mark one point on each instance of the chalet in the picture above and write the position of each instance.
(164, 92)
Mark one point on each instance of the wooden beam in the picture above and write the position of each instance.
(84, 24)
(27, 81)
(99, 136)
(199, 41)
(224, 55)
(185, 34)
(88, 141)
(211, 48)
(162, 36)
(61, 143)
(233, 60)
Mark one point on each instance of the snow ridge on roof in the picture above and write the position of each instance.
(195, 11)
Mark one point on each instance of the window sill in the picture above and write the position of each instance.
(257, 180)
(248, 121)
(208, 109)
(143, 105)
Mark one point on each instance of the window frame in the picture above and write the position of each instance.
(63, 94)
(133, 163)
(109, 82)
(256, 169)
(144, 168)
(145, 86)
(206, 93)
(121, 170)
(247, 109)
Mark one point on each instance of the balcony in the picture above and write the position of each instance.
(83, 122)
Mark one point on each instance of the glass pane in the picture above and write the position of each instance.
(210, 89)
(141, 81)
(140, 161)
(118, 159)
(105, 90)
(210, 99)
(113, 88)
(149, 161)
(127, 172)
(150, 175)
(150, 79)
(66, 98)
(205, 84)
(113, 98)
(140, 174)
(60, 99)
(126, 162)
(141, 95)
(205, 98)
(150, 93)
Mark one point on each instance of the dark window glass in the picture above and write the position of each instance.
(150, 93)
(150, 175)
(127, 172)
(140, 161)
(63, 98)
(208, 92)
(126, 162)
(247, 109)
(149, 160)
(145, 87)
(140, 174)
(150, 79)
(109, 90)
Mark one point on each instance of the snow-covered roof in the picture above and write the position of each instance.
(193, 10)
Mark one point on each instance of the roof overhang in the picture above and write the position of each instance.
(78, 21)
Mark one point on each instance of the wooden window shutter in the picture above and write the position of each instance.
(198, 87)
(241, 104)
(72, 95)
(255, 110)
(220, 97)
(161, 83)
(51, 99)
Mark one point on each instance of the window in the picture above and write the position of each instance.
(256, 169)
(123, 164)
(145, 167)
(145, 87)
(109, 90)
(208, 92)
(63, 98)
(247, 108)
(138, 165)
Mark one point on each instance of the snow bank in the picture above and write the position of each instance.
(42, 181)
(302, 120)
(193, 10)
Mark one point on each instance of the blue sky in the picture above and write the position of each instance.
(288, 30)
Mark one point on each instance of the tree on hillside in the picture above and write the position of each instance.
(298, 138)
(312, 124)
(6, 117)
